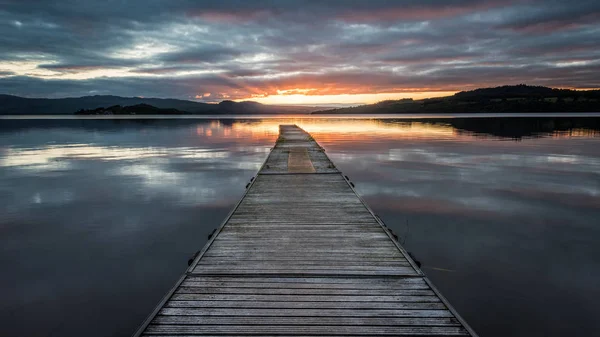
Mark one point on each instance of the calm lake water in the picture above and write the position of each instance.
(99, 217)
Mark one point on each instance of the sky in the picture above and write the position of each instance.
(294, 52)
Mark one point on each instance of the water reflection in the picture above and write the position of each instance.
(96, 212)
(501, 212)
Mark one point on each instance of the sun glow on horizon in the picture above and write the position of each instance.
(349, 99)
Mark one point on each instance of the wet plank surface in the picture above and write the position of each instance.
(299, 161)
(302, 255)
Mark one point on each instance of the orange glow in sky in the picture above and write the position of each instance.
(349, 99)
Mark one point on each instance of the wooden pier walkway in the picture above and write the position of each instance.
(302, 255)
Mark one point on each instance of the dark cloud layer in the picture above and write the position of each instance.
(240, 49)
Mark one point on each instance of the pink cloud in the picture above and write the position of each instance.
(418, 12)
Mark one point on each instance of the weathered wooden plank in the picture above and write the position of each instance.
(302, 267)
(318, 281)
(216, 289)
(283, 229)
(305, 241)
(291, 244)
(334, 289)
(304, 312)
(300, 235)
(391, 270)
(302, 298)
(323, 213)
(257, 255)
(319, 330)
(243, 320)
(304, 305)
(233, 221)
(237, 234)
(278, 263)
(235, 255)
(304, 272)
(272, 237)
(315, 249)
(307, 258)
(304, 263)
(315, 218)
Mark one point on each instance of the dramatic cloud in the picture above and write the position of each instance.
(209, 50)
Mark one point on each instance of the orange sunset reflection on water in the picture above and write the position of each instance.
(329, 129)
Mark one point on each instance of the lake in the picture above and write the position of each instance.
(99, 217)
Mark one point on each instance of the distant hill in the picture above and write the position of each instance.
(138, 109)
(14, 105)
(516, 98)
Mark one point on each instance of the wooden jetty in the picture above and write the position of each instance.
(302, 255)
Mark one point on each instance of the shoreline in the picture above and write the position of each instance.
(314, 116)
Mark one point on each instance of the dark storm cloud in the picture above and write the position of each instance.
(205, 54)
(129, 87)
(553, 15)
(236, 49)
(88, 64)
